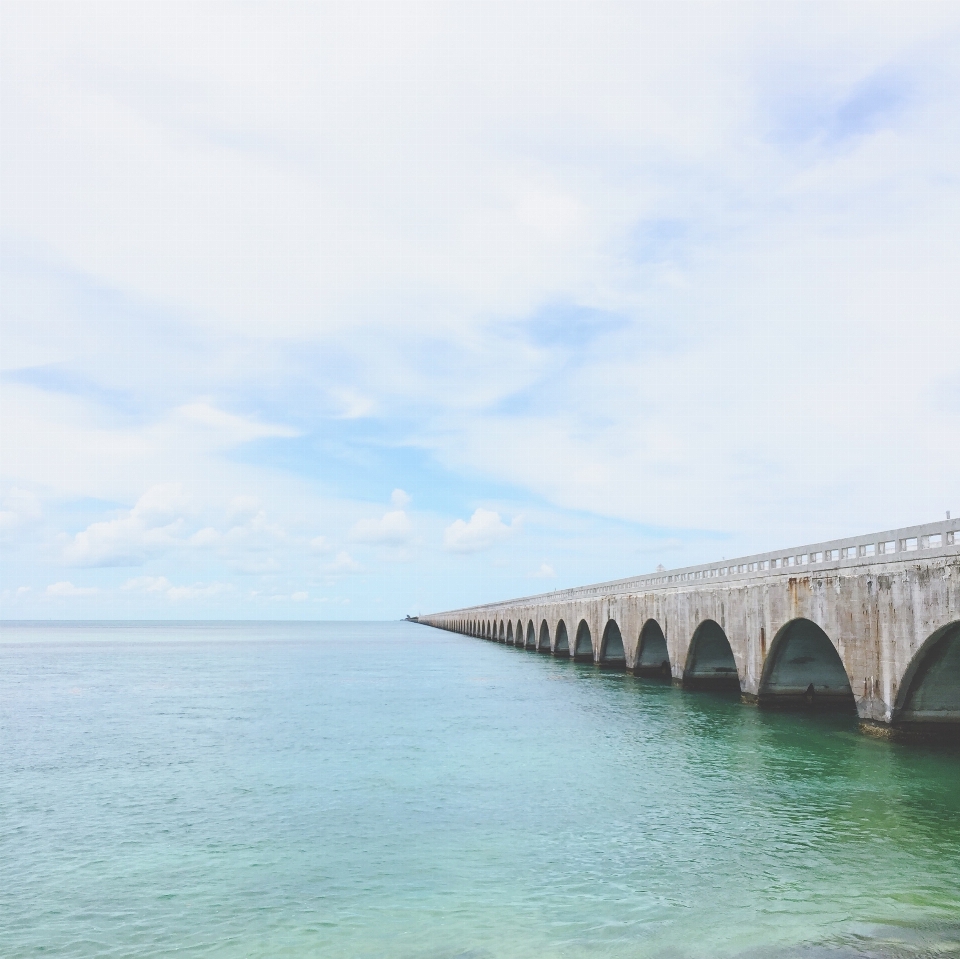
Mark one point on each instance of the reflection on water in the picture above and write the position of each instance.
(389, 790)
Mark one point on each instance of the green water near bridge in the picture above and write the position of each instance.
(388, 790)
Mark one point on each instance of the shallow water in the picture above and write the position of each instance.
(388, 790)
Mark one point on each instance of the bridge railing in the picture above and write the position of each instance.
(897, 545)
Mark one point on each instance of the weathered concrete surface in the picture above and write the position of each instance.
(881, 631)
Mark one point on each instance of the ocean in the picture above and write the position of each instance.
(388, 790)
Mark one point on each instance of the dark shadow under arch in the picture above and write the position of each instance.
(502, 634)
(561, 647)
(930, 692)
(612, 655)
(804, 671)
(710, 662)
(531, 642)
(510, 633)
(653, 659)
(519, 633)
(543, 646)
(583, 650)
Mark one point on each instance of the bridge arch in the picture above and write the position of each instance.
(930, 691)
(502, 637)
(710, 663)
(804, 670)
(561, 645)
(531, 642)
(543, 644)
(583, 650)
(653, 657)
(510, 633)
(612, 655)
(518, 633)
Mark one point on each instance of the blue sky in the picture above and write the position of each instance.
(352, 311)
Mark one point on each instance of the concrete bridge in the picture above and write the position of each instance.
(870, 622)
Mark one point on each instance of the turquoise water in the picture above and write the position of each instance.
(388, 790)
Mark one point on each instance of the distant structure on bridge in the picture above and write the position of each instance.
(870, 622)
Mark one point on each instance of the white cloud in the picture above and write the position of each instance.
(19, 507)
(244, 509)
(545, 571)
(254, 543)
(230, 428)
(301, 596)
(400, 499)
(392, 529)
(147, 584)
(484, 529)
(198, 591)
(161, 586)
(208, 536)
(157, 525)
(320, 544)
(66, 588)
(353, 406)
(344, 563)
(163, 503)
(149, 528)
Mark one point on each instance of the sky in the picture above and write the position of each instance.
(352, 311)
